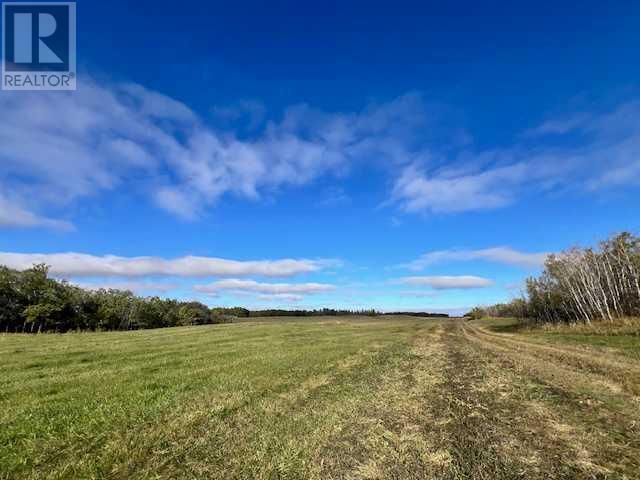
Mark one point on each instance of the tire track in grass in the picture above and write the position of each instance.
(270, 435)
(445, 412)
(624, 372)
(385, 436)
(578, 409)
(434, 401)
(496, 431)
(590, 387)
(476, 425)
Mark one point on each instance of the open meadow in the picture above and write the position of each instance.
(319, 240)
(321, 398)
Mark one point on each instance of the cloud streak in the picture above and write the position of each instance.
(441, 193)
(264, 288)
(503, 255)
(117, 135)
(282, 297)
(13, 215)
(464, 282)
(587, 152)
(81, 265)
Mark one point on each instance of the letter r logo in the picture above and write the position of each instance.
(23, 36)
(37, 36)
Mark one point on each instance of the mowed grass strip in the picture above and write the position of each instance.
(250, 400)
(323, 398)
(619, 337)
(586, 401)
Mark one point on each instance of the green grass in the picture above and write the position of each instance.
(317, 398)
(76, 405)
(500, 325)
(628, 345)
(621, 336)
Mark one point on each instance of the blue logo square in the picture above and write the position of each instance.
(36, 38)
(39, 46)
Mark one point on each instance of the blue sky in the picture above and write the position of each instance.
(344, 154)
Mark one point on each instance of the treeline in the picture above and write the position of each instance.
(330, 312)
(516, 308)
(324, 312)
(31, 302)
(582, 285)
(419, 314)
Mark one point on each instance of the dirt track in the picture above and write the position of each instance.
(518, 407)
(476, 404)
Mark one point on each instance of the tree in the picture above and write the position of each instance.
(476, 313)
(194, 313)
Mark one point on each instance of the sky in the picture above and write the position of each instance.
(397, 156)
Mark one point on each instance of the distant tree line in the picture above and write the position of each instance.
(516, 308)
(581, 285)
(32, 302)
(329, 312)
(419, 314)
(324, 312)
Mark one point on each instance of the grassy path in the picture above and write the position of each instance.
(396, 398)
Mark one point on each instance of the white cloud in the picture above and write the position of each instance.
(177, 202)
(559, 126)
(126, 136)
(469, 187)
(136, 287)
(79, 264)
(445, 194)
(15, 216)
(264, 288)
(282, 297)
(121, 135)
(505, 255)
(604, 152)
(334, 197)
(447, 282)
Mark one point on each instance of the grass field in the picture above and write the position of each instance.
(322, 398)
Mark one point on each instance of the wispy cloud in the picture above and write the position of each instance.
(136, 287)
(442, 193)
(16, 216)
(334, 197)
(559, 126)
(282, 297)
(603, 152)
(264, 288)
(463, 282)
(79, 265)
(116, 134)
(503, 255)
(270, 292)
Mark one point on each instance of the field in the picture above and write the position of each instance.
(322, 398)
